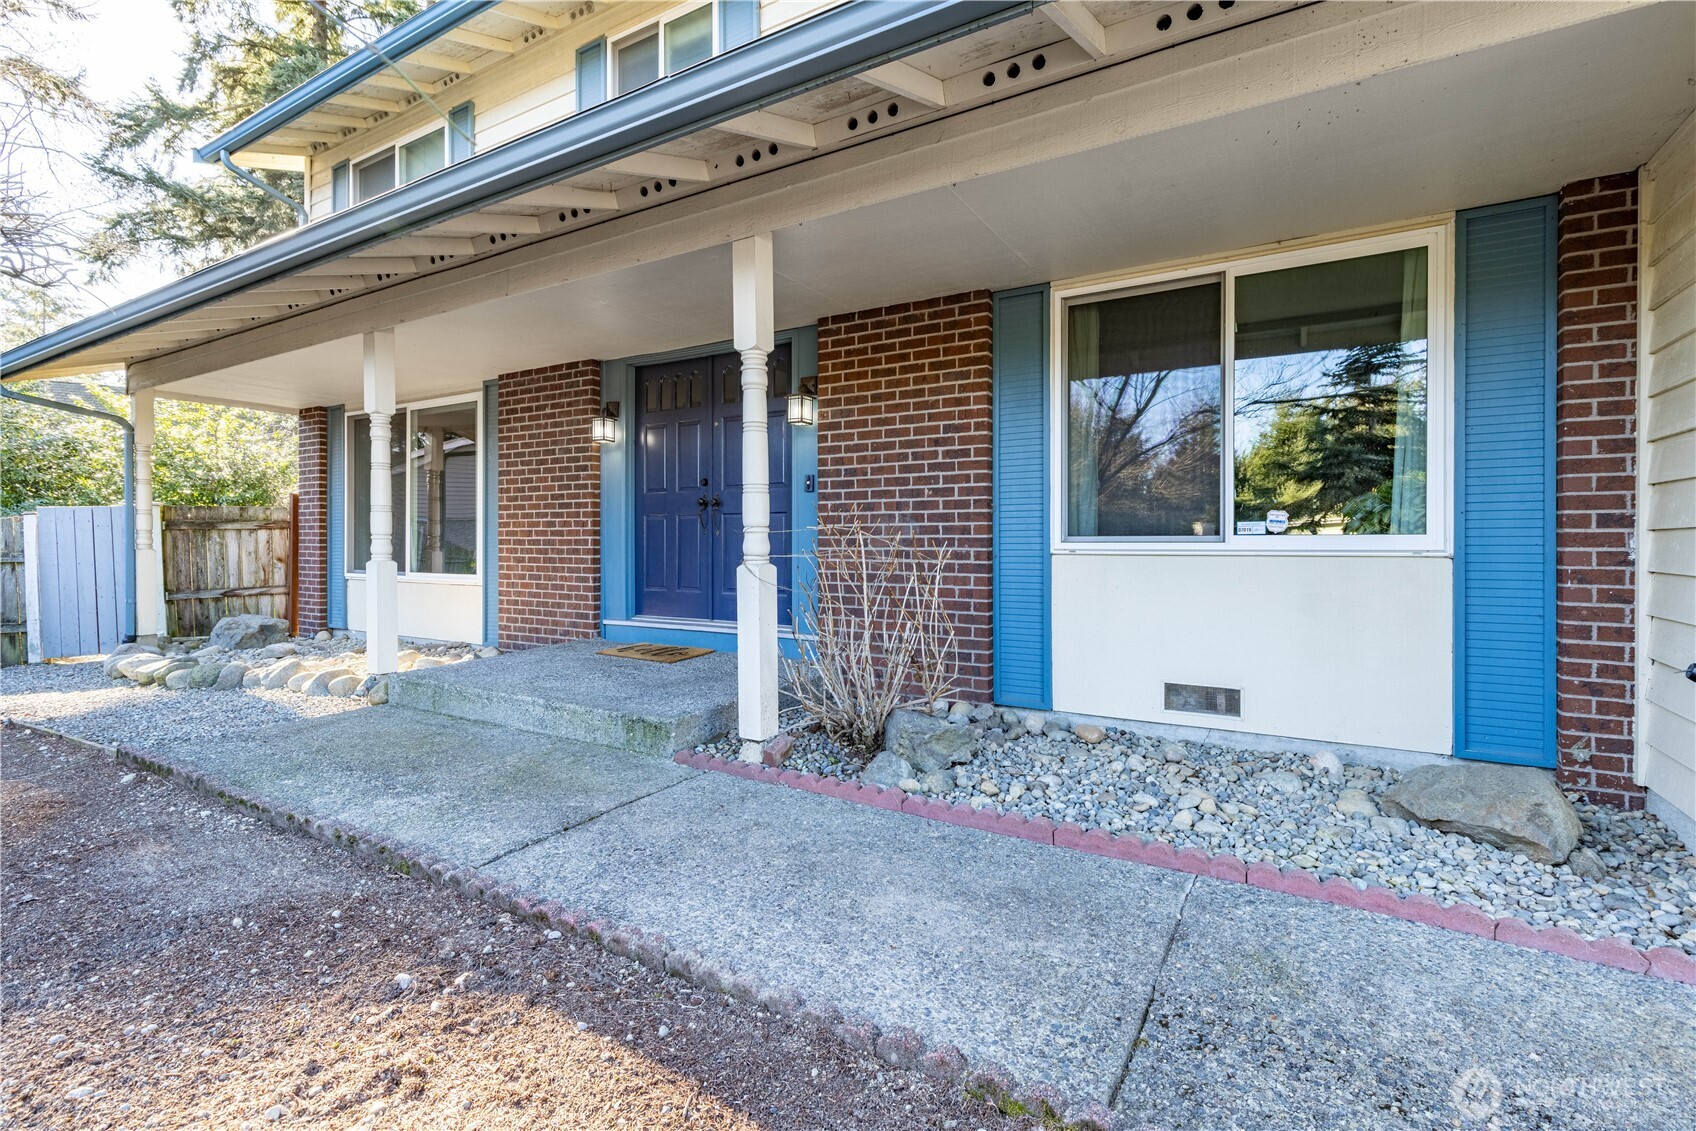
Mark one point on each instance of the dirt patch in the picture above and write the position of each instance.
(167, 962)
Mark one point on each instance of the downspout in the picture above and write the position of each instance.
(299, 208)
(129, 490)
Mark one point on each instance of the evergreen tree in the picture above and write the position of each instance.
(242, 54)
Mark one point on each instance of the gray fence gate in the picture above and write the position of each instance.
(82, 595)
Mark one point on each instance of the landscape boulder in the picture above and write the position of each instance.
(248, 630)
(279, 676)
(123, 653)
(1516, 808)
(927, 742)
(888, 769)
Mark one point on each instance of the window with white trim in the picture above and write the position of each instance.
(435, 488)
(663, 48)
(1290, 400)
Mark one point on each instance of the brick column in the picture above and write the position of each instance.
(905, 436)
(1596, 499)
(549, 497)
(313, 438)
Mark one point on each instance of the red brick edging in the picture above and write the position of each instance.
(1661, 962)
(897, 1046)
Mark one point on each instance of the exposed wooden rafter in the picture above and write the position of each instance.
(564, 196)
(479, 40)
(528, 13)
(486, 224)
(909, 82)
(1071, 17)
(766, 126)
(661, 165)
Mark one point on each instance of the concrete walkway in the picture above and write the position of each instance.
(1183, 1002)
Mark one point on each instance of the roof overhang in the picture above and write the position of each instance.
(380, 54)
(831, 45)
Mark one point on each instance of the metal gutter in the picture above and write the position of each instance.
(834, 44)
(300, 216)
(426, 27)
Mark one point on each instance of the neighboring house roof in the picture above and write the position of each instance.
(341, 80)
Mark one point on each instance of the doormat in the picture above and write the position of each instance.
(658, 653)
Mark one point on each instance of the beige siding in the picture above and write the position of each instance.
(534, 88)
(1667, 751)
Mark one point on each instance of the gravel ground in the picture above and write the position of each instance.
(1283, 808)
(167, 963)
(78, 699)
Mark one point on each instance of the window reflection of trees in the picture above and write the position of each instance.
(1155, 441)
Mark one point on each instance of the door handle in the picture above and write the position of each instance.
(702, 504)
(718, 502)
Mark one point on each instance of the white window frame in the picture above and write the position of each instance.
(395, 147)
(658, 27)
(1437, 238)
(403, 522)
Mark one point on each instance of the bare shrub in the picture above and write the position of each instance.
(876, 634)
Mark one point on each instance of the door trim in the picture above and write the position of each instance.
(618, 482)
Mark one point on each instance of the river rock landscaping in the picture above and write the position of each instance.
(253, 652)
(1627, 877)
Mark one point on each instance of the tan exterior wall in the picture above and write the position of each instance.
(1667, 719)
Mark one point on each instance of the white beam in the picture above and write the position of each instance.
(767, 126)
(366, 102)
(382, 597)
(327, 118)
(373, 265)
(756, 580)
(909, 82)
(1071, 17)
(479, 40)
(661, 165)
(564, 196)
(530, 14)
(416, 245)
(486, 224)
(263, 298)
(397, 82)
(440, 62)
(284, 159)
(149, 592)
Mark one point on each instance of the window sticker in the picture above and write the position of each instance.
(1246, 527)
(1277, 521)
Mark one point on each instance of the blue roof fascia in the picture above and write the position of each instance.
(396, 43)
(831, 45)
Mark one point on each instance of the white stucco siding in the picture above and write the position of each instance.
(429, 609)
(1667, 742)
(1337, 649)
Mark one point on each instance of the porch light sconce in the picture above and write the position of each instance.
(603, 426)
(804, 403)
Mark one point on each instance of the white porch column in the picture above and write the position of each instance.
(756, 579)
(149, 600)
(382, 601)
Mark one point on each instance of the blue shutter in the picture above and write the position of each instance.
(1021, 552)
(462, 132)
(491, 514)
(1505, 490)
(591, 74)
(335, 515)
(738, 22)
(341, 186)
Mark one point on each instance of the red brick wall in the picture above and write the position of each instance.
(1596, 501)
(549, 501)
(313, 438)
(904, 434)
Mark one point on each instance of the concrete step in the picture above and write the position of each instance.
(569, 691)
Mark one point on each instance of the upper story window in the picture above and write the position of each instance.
(1294, 399)
(395, 165)
(663, 49)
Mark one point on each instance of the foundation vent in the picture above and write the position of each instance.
(1200, 700)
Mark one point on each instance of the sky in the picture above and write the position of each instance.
(122, 46)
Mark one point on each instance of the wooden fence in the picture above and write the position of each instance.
(221, 561)
(14, 639)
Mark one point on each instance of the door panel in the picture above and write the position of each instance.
(689, 477)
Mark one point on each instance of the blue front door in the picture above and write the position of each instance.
(689, 485)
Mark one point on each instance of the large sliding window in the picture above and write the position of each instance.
(664, 48)
(434, 489)
(1289, 397)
